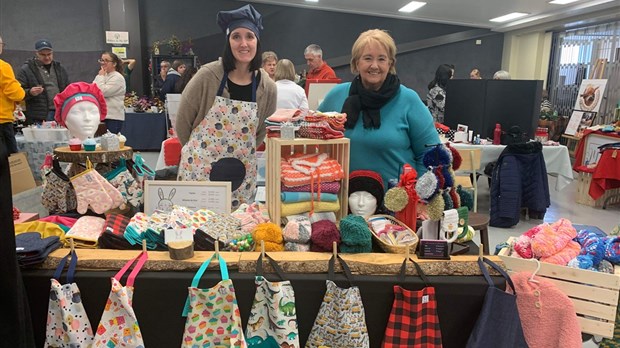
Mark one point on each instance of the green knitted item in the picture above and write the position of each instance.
(355, 235)
(447, 201)
(467, 200)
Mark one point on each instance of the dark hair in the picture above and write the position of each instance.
(115, 59)
(187, 75)
(228, 60)
(442, 75)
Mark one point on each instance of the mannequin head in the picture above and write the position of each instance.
(365, 192)
(80, 108)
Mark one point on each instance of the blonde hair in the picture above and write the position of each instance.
(373, 35)
(285, 70)
(269, 55)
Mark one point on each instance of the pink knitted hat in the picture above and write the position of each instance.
(75, 93)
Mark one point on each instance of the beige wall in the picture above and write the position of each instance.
(526, 55)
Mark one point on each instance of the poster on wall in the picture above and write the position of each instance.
(579, 121)
(121, 52)
(590, 95)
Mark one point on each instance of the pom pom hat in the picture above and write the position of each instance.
(369, 181)
(244, 17)
(75, 93)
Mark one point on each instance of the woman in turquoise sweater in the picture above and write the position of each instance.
(387, 122)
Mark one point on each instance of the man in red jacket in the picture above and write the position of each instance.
(317, 67)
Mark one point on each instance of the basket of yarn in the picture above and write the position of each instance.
(392, 235)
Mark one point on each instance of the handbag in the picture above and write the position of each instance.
(213, 318)
(499, 324)
(341, 321)
(67, 323)
(273, 317)
(119, 326)
(413, 320)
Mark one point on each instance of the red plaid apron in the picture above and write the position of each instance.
(413, 321)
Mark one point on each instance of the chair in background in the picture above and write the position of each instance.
(466, 176)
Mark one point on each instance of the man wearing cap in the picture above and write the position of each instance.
(10, 93)
(317, 67)
(42, 78)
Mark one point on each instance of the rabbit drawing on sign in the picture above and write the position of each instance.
(165, 204)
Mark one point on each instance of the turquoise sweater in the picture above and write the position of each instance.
(406, 126)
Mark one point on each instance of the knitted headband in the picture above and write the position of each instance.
(369, 181)
(75, 93)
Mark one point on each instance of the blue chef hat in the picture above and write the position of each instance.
(245, 17)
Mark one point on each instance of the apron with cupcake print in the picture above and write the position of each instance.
(223, 146)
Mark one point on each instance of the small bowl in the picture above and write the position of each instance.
(76, 147)
(90, 147)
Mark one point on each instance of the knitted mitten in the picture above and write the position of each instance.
(90, 192)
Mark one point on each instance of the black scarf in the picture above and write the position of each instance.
(370, 102)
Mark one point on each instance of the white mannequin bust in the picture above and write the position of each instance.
(362, 203)
(83, 120)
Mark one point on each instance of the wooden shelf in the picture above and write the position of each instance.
(64, 154)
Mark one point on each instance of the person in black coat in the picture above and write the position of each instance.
(174, 74)
(42, 78)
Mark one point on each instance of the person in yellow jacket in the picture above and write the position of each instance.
(11, 92)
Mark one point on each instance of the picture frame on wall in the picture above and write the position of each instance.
(590, 95)
(163, 194)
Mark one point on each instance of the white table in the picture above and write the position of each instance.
(557, 160)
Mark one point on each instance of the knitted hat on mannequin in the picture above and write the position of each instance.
(75, 93)
(355, 235)
(369, 181)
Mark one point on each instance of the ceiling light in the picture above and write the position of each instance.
(508, 17)
(312, 0)
(561, 2)
(412, 6)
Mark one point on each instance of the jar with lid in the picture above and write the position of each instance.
(542, 134)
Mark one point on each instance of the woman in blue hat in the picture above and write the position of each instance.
(221, 117)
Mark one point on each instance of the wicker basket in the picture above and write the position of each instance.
(391, 248)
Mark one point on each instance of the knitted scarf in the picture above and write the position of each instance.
(370, 102)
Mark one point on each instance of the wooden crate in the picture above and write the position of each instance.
(583, 197)
(571, 142)
(594, 294)
(337, 149)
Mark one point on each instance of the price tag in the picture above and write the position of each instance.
(178, 235)
(434, 249)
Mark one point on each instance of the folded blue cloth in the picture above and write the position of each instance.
(31, 249)
(295, 197)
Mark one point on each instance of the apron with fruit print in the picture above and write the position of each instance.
(213, 318)
(273, 317)
(223, 146)
(119, 326)
(67, 323)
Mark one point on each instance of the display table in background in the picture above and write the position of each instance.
(145, 131)
(557, 160)
(36, 151)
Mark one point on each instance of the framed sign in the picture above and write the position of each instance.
(579, 121)
(591, 153)
(590, 95)
(163, 194)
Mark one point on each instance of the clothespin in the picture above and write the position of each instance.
(71, 245)
(144, 245)
(480, 250)
(407, 251)
(217, 247)
(262, 249)
(335, 249)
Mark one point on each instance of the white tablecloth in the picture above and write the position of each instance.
(557, 160)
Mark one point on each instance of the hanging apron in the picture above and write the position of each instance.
(341, 321)
(413, 321)
(67, 323)
(499, 324)
(273, 318)
(223, 146)
(213, 318)
(119, 326)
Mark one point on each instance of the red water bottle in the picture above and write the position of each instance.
(497, 134)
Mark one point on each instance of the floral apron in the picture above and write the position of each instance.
(213, 318)
(223, 146)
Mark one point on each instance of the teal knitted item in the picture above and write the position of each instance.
(467, 200)
(355, 235)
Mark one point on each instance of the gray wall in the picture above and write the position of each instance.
(76, 30)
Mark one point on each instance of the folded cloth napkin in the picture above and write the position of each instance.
(46, 229)
(285, 115)
(86, 231)
(294, 197)
(325, 187)
(303, 207)
(59, 219)
(113, 236)
(328, 215)
(31, 249)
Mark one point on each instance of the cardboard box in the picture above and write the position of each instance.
(21, 175)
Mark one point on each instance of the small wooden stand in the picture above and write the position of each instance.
(64, 154)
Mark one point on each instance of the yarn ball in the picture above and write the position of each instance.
(605, 267)
(396, 199)
(271, 234)
(466, 198)
(591, 245)
(456, 157)
(427, 185)
(456, 199)
(291, 246)
(436, 156)
(612, 249)
(355, 235)
(523, 244)
(447, 200)
(435, 208)
(324, 233)
(297, 230)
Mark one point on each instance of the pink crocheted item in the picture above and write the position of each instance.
(326, 187)
(522, 245)
(550, 240)
(569, 252)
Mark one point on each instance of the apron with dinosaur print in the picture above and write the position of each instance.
(273, 318)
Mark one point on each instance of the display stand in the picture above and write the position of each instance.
(337, 149)
(64, 154)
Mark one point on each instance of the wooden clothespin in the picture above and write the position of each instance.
(480, 250)
(144, 245)
(262, 249)
(71, 245)
(407, 252)
(335, 249)
(217, 247)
